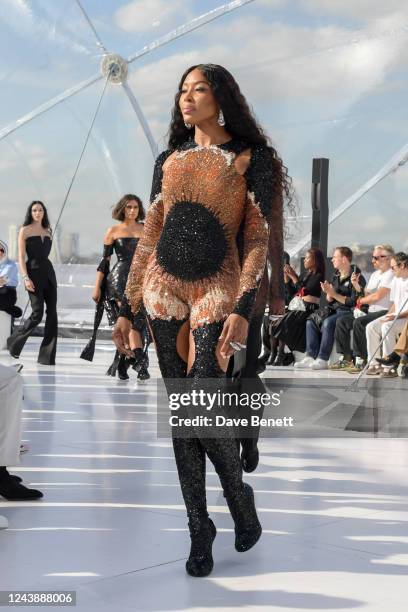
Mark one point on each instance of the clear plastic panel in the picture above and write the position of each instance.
(325, 79)
(379, 217)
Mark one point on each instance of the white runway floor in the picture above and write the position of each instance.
(112, 524)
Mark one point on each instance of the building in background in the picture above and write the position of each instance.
(12, 242)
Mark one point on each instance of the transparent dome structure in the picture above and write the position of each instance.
(88, 87)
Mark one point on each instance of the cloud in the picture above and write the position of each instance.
(140, 16)
(32, 156)
(274, 62)
(279, 60)
(355, 9)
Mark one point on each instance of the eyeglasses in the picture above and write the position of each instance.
(377, 257)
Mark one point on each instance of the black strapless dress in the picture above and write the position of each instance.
(113, 289)
(124, 249)
(39, 268)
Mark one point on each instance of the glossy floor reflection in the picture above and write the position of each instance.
(112, 524)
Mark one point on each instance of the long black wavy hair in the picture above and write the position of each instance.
(240, 122)
(319, 262)
(28, 219)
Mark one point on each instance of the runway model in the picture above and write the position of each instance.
(34, 246)
(110, 286)
(218, 180)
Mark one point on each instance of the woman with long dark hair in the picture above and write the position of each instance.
(291, 329)
(110, 284)
(219, 182)
(34, 246)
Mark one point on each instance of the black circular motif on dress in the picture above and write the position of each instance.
(192, 244)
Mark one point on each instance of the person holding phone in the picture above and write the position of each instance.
(374, 304)
(342, 293)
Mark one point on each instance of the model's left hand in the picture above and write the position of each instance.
(235, 329)
(3, 281)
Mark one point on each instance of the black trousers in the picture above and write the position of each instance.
(8, 298)
(359, 332)
(44, 295)
(348, 323)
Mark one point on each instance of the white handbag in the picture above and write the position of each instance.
(297, 303)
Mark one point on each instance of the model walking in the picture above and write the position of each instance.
(216, 183)
(34, 246)
(110, 286)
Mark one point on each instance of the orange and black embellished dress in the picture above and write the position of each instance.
(187, 265)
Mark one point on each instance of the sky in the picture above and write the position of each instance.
(326, 78)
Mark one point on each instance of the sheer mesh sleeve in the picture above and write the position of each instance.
(152, 230)
(104, 263)
(256, 228)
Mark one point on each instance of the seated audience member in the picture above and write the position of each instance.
(11, 398)
(398, 355)
(386, 329)
(291, 329)
(377, 300)
(342, 294)
(269, 343)
(8, 283)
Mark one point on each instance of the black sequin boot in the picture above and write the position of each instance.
(200, 562)
(249, 459)
(123, 368)
(248, 529)
(136, 361)
(143, 373)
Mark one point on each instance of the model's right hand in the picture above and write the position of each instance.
(96, 294)
(120, 336)
(29, 285)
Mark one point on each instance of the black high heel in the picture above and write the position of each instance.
(393, 359)
(279, 361)
(200, 561)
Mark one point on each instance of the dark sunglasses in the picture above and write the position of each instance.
(2, 250)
